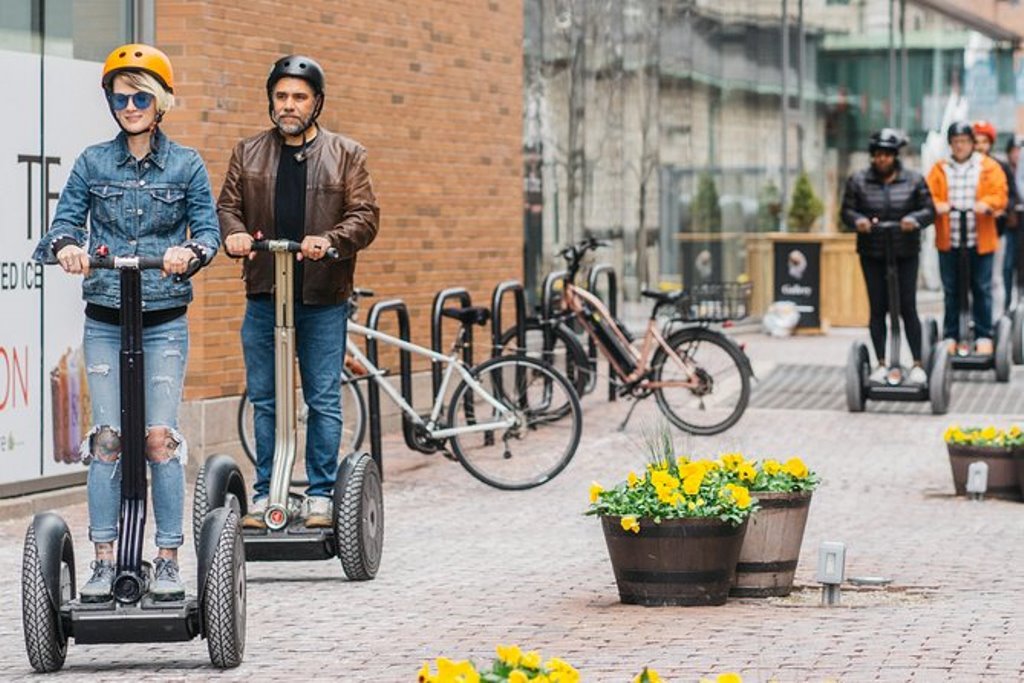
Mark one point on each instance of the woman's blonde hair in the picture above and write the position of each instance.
(144, 82)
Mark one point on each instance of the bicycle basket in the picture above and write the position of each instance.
(715, 301)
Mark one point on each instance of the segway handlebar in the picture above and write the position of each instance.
(104, 261)
(290, 246)
(881, 226)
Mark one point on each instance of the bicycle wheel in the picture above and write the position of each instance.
(353, 425)
(723, 381)
(541, 442)
(567, 354)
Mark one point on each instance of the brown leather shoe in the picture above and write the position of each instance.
(983, 347)
(254, 518)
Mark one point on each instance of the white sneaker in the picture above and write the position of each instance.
(318, 512)
(918, 375)
(878, 374)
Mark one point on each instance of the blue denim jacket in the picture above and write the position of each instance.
(136, 208)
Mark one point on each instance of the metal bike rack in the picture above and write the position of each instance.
(547, 295)
(405, 366)
(612, 302)
(497, 298)
(436, 341)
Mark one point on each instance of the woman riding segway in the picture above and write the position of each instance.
(886, 192)
(149, 206)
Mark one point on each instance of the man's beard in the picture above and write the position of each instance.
(292, 128)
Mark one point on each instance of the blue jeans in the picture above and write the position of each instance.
(320, 343)
(1009, 265)
(166, 354)
(980, 290)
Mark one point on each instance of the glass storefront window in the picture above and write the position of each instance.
(78, 29)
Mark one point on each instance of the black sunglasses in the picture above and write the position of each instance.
(119, 101)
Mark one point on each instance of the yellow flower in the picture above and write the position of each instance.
(988, 433)
(771, 467)
(517, 676)
(796, 467)
(595, 491)
(950, 434)
(629, 523)
(729, 677)
(456, 672)
(747, 472)
(740, 494)
(632, 479)
(691, 485)
(509, 654)
(1014, 432)
(662, 479)
(691, 506)
(681, 461)
(648, 675)
(665, 495)
(530, 660)
(424, 675)
(556, 665)
(540, 678)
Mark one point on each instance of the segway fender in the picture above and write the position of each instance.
(54, 546)
(222, 478)
(213, 526)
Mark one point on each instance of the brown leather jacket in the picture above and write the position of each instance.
(340, 205)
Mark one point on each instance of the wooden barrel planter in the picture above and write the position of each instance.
(1018, 464)
(771, 547)
(677, 562)
(1002, 471)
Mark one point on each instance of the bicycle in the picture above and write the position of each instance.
(699, 377)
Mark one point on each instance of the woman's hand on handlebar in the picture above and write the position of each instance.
(177, 260)
(239, 244)
(942, 208)
(982, 208)
(314, 247)
(73, 259)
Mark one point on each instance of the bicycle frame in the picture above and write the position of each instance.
(573, 299)
(452, 365)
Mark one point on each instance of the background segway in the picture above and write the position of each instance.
(940, 379)
(857, 369)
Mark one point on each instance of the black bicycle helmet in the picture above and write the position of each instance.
(959, 128)
(298, 66)
(887, 140)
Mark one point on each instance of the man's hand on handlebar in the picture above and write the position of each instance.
(73, 259)
(942, 208)
(239, 244)
(908, 224)
(982, 208)
(863, 224)
(314, 247)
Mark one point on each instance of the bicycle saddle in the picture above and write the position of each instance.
(662, 297)
(470, 315)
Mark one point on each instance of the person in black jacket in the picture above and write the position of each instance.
(885, 191)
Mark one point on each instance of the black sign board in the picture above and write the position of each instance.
(798, 279)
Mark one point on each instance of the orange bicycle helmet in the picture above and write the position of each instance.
(138, 57)
(985, 128)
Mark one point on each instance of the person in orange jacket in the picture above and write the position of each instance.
(967, 180)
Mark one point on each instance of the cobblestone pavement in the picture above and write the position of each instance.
(466, 567)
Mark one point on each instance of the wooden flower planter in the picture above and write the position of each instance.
(1002, 470)
(677, 562)
(771, 547)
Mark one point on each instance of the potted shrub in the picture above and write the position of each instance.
(775, 532)
(993, 446)
(674, 531)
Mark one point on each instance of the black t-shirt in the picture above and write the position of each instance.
(290, 204)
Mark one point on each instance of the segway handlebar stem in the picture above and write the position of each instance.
(290, 246)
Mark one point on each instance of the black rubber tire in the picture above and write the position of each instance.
(577, 366)
(700, 335)
(45, 642)
(929, 339)
(359, 517)
(1003, 350)
(1017, 334)
(856, 377)
(568, 410)
(224, 600)
(218, 477)
(940, 380)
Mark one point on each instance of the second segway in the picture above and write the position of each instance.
(966, 356)
(356, 536)
(896, 385)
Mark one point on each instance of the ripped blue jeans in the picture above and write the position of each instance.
(166, 353)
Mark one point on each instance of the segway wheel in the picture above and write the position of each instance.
(45, 641)
(224, 600)
(1017, 334)
(857, 365)
(929, 338)
(1003, 350)
(940, 379)
(219, 480)
(359, 516)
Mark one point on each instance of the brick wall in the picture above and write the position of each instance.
(432, 88)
